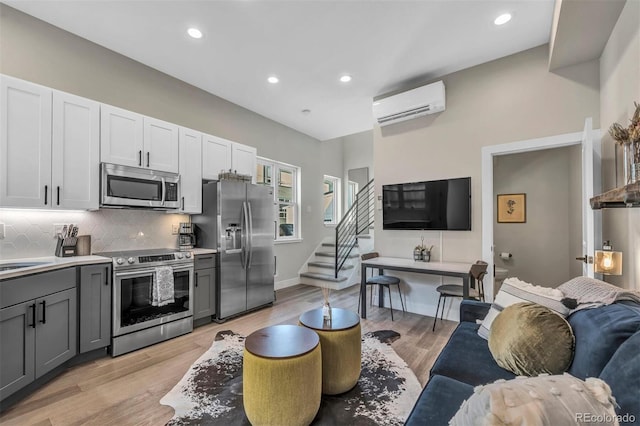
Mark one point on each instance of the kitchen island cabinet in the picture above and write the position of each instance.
(37, 327)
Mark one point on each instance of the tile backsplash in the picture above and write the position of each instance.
(31, 233)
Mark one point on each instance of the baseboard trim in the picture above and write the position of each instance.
(279, 285)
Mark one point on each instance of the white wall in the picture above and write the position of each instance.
(510, 99)
(35, 51)
(541, 247)
(619, 88)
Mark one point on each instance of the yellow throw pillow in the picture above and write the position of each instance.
(530, 339)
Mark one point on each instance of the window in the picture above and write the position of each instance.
(284, 179)
(331, 200)
(352, 193)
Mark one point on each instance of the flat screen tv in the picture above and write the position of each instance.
(439, 205)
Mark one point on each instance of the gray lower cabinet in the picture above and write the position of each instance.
(204, 298)
(37, 327)
(95, 307)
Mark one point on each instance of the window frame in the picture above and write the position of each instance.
(276, 168)
(337, 183)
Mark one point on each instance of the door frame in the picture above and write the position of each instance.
(529, 145)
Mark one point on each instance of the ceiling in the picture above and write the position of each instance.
(308, 44)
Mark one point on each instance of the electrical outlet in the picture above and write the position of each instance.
(175, 228)
(1, 231)
(57, 229)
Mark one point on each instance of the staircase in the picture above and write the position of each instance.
(335, 264)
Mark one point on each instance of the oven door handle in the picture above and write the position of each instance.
(144, 272)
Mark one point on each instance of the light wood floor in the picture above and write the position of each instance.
(126, 390)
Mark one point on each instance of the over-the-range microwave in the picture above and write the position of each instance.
(124, 186)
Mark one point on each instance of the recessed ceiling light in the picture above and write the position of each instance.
(502, 19)
(194, 32)
(273, 79)
(376, 103)
(345, 78)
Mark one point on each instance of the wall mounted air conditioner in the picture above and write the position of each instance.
(414, 103)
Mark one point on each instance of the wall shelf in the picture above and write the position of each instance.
(625, 196)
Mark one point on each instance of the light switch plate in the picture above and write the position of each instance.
(1, 231)
(175, 228)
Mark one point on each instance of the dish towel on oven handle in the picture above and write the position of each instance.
(162, 290)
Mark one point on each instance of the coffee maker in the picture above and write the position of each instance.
(187, 236)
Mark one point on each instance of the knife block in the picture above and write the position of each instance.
(66, 247)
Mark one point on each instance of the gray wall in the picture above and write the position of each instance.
(510, 99)
(33, 50)
(619, 88)
(542, 246)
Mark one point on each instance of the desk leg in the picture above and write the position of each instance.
(363, 291)
(380, 291)
(467, 281)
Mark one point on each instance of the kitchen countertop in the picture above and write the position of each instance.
(197, 251)
(48, 263)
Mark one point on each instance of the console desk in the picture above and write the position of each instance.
(448, 269)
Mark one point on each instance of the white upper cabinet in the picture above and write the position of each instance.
(75, 176)
(48, 148)
(243, 160)
(121, 137)
(190, 171)
(220, 155)
(131, 139)
(216, 156)
(161, 145)
(25, 144)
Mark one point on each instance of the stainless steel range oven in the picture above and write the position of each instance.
(138, 319)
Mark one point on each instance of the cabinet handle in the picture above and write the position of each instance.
(33, 315)
(182, 203)
(58, 189)
(106, 276)
(147, 158)
(44, 311)
(196, 280)
(46, 194)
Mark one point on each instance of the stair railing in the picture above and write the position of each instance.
(355, 221)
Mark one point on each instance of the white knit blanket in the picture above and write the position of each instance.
(592, 293)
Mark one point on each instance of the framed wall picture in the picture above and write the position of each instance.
(512, 208)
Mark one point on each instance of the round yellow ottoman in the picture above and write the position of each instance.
(341, 343)
(282, 376)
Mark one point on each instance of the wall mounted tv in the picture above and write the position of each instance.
(439, 205)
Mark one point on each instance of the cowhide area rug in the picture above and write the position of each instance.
(211, 391)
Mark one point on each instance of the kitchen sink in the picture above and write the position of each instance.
(18, 265)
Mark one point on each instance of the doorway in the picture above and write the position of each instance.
(589, 141)
(548, 183)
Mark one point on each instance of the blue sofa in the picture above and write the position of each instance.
(607, 346)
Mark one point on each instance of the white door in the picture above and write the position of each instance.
(190, 171)
(76, 152)
(161, 145)
(591, 185)
(121, 137)
(243, 160)
(216, 156)
(25, 144)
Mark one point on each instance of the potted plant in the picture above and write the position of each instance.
(629, 139)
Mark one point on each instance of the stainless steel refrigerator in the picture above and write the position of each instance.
(238, 219)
